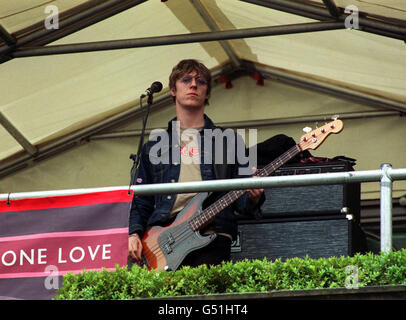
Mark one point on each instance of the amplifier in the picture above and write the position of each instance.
(320, 200)
(273, 239)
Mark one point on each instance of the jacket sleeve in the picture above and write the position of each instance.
(243, 206)
(142, 206)
(243, 169)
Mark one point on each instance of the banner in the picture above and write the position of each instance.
(41, 239)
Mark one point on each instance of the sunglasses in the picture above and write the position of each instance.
(187, 80)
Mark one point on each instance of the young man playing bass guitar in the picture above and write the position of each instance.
(189, 159)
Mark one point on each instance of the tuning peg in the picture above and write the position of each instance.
(307, 129)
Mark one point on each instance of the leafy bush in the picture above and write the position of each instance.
(243, 276)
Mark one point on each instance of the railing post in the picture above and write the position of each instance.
(386, 209)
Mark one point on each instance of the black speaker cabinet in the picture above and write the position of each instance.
(284, 239)
(319, 200)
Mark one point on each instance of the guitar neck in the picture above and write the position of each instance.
(207, 215)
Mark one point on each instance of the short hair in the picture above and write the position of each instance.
(187, 66)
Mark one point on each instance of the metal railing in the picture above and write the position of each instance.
(385, 175)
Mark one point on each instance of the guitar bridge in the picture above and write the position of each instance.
(171, 239)
(167, 241)
(167, 248)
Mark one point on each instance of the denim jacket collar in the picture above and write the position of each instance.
(208, 124)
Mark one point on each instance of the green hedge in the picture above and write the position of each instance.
(244, 276)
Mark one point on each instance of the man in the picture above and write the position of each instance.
(190, 86)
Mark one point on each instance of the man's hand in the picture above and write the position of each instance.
(134, 248)
(255, 194)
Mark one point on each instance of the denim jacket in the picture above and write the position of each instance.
(148, 211)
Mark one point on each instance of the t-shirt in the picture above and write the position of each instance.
(189, 165)
(189, 168)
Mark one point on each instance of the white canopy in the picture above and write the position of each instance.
(54, 92)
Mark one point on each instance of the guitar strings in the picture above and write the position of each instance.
(179, 236)
(184, 232)
(187, 226)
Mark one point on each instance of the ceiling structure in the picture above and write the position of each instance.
(70, 69)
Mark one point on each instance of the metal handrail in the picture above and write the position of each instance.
(385, 175)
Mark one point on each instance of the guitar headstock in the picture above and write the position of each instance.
(312, 140)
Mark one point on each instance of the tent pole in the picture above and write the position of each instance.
(7, 37)
(334, 90)
(73, 24)
(178, 39)
(332, 8)
(235, 61)
(17, 135)
(366, 24)
(262, 123)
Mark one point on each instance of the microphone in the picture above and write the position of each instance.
(155, 87)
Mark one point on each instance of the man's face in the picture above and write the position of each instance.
(191, 90)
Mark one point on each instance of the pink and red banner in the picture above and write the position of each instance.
(41, 239)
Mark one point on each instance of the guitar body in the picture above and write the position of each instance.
(165, 247)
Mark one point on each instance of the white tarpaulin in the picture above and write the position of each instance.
(48, 98)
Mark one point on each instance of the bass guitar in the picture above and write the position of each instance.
(165, 247)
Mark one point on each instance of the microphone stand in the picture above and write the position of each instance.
(136, 157)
